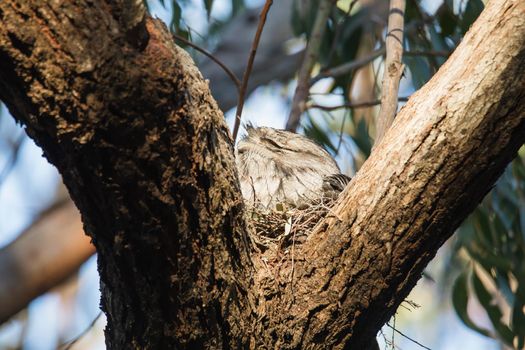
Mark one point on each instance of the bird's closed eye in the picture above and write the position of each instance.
(271, 142)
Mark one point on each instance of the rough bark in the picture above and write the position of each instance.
(272, 63)
(443, 153)
(60, 230)
(143, 149)
(145, 153)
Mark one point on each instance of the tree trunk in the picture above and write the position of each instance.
(128, 121)
(145, 153)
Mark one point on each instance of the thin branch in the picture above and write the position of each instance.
(353, 105)
(407, 337)
(393, 331)
(232, 75)
(443, 53)
(246, 76)
(69, 345)
(310, 57)
(393, 68)
(348, 67)
(340, 141)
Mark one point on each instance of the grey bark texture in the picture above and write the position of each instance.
(143, 148)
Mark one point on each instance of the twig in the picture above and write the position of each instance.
(69, 345)
(393, 332)
(340, 141)
(246, 76)
(232, 75)
(354, 105)
(387, 342)
(393, 68)
(443, 53)
(407, 337)
(310, 57)
(346, 68)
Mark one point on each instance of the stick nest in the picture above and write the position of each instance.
(280, 227)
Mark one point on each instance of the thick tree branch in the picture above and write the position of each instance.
(272, 64)
(147, 158)
(443, 153)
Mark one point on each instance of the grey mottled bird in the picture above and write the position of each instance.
(278, 166)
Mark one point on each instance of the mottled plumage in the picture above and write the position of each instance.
(277, 166)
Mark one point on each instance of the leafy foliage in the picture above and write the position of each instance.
(494, 238)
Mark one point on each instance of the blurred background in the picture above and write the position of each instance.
(471, 296)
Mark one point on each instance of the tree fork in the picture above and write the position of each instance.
(127, 119)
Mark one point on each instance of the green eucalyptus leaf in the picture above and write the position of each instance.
(488, 259)
(503, 283)
(495, 315)
(325, 50)
(362, 138)
(297, 22)
(350, 42)
(411, 12)
(419, 70)
(313, 131)
(447, 20)
(518, 319)
(460, 303)
(208, 4)
(471, 13)
(176, 15)
(237, 6)
(480, 223)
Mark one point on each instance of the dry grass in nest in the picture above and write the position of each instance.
(280, 227)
